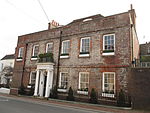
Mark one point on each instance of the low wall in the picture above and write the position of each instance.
(139, 87)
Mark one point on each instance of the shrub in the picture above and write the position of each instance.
(93, 96)
(70, 96)
(121, 98)
(53, 93)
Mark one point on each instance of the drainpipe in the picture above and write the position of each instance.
(24, 64)
(58, 62)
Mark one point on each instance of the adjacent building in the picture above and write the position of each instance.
(145, 55)
(6, 69)
(92, 52)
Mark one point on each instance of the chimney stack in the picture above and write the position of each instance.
(53, 24)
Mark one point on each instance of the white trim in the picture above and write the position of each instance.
(33, 58)
(108, 95)
(80, 77)
(82, 92)
(47, 46)
(19, 59)
(34, 49)
(63, 45)
(81, 43)
(64, 56)
(62, 90)
(84, 55)
(87, 19)
(110, 53)
(103, 82)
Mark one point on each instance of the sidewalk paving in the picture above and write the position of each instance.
(74, 104)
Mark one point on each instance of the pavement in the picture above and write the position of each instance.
(75, 105)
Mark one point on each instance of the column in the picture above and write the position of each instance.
(41, 84)
(36, 83)
(49, 83)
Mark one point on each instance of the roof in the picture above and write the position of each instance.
(11, 56)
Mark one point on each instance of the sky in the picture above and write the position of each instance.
(19, 17)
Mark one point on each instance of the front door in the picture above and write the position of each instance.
(44, 89)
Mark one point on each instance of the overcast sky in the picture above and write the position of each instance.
(19, 17)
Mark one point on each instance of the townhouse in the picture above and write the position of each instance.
(92, 52)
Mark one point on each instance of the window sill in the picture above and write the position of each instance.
(33, 58)
(18, 59)
(28, 86)
(83, 92)
(107, 54)
(108, 95)
(64, 56)
(84, 55)
(62, 90)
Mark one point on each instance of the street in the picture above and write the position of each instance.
(13, 105)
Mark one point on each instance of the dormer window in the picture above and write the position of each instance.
(88, 19)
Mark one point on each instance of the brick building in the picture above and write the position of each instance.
(92, 52)
(145, 55)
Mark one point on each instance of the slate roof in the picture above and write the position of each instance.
(11, 56)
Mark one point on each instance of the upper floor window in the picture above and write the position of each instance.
(49, 48)
(65, 49)
(108, 44)
(63, 80)
(148, 50)
(20, 54)
(35, 51)
(108, 84)
(85, 46)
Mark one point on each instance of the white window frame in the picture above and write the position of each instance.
(84, 55)
(59, 89)
(33, 52)
(31, 76)
(103, 87)
(47, 47)
(21, 49)
(148, 50)
(79, 87)
(110, 53)
(62, 48)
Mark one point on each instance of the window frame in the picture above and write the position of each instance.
(82, 54)
(65, 55)
(33, 57)
(108, 53)
(103, 83)
(60, 81)
(30, 81)
(47, 47)
(19, 57)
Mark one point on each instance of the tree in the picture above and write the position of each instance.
(70, 96)
(93, 96)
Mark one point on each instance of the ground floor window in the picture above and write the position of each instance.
(32, 77)
(63, 80)
(83, 81)
(108, 83)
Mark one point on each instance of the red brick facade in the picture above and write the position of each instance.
(126, 49)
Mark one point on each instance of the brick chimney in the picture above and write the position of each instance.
(53, 24)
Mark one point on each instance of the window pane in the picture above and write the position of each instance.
(109, 42)
(85, 44)
(64, 81)
(20, 54)
(84, 80)
(35, 50)
(108, 83)
(49, 48)
(65, 47)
